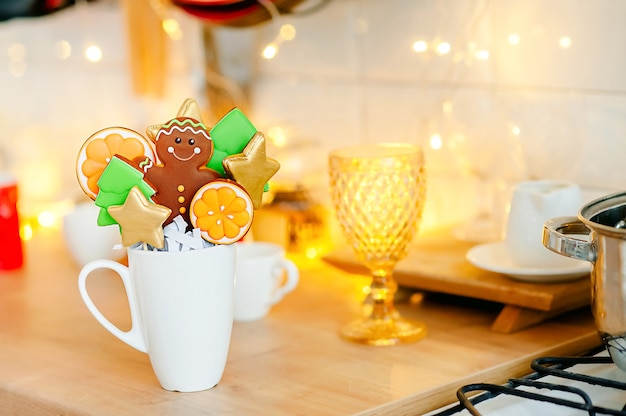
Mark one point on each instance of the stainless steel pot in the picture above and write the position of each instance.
(597, 236)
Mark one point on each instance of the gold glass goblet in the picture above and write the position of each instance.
(378, 192)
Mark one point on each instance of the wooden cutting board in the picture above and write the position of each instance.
(437, 263)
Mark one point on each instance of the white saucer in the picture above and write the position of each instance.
(495, 258)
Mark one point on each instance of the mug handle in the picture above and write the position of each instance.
(132, 337)
(555, 238)
(293, 276)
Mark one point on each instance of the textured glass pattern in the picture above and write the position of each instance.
(378, 192)
(379, 197)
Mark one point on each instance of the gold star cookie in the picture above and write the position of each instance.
(140, 220)
(252, 168)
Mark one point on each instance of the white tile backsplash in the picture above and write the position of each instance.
(532, 109)
(594, 61)
(351, 76)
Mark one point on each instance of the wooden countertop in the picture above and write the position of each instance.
(56, 359)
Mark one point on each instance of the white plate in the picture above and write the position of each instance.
(495, 258)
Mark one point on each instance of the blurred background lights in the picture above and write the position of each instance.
(481, 55)
(446, 107)
(420, 46)
(172, 29)
(515, 130)
(288, 32)
(93, 53)
(63, 49)
(277, 136)
(16, 52)
(565, 42)
(435, 142)
(26, 232)
(47, 219)
(513, 39)
(270, 51)
(311, 252)
(443, 48)
(17, 63)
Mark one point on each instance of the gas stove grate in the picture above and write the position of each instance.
(556, 366)
(545, 366)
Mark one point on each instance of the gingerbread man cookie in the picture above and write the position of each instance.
(183, 147)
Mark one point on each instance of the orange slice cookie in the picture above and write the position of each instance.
(98, 150)
(222, 210)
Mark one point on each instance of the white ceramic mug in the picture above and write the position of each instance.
(181, 307)
(264, 277)
(532, 204)
(85, 239)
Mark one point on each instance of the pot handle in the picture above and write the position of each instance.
(555, 238)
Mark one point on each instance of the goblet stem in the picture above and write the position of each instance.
(383, 324)
(382, 290)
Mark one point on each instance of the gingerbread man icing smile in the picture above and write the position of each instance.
(184, 147)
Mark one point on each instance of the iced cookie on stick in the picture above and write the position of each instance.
(140, 220)
(100, 147)
(230, 135)
(184, 147)
(183, 184)
(223, 211)
(116, 181)
(252, 168)
(239, 150)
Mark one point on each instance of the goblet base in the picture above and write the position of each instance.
(383, 331)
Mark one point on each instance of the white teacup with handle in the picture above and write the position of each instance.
(532, 204)
(181, 307)
(264, 277)
(87, 241)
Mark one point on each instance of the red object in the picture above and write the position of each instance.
(10, 242)
(235, 13)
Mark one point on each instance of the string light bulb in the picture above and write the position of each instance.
(420, 46)
(93, 53)
(286, 31)
(443, 48)
(278, 136)
(172, 28)
(436, 142)
(47, 219)
(63, 49)
(481, 55)
(565, 42)
(270, 51)
(513, 39)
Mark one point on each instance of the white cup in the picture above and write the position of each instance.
(532, 204)
(85, 239)
(264, 277)
(181, 307)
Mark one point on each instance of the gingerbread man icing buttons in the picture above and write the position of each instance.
(183, 147)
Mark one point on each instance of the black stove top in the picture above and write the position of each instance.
(591, 385)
